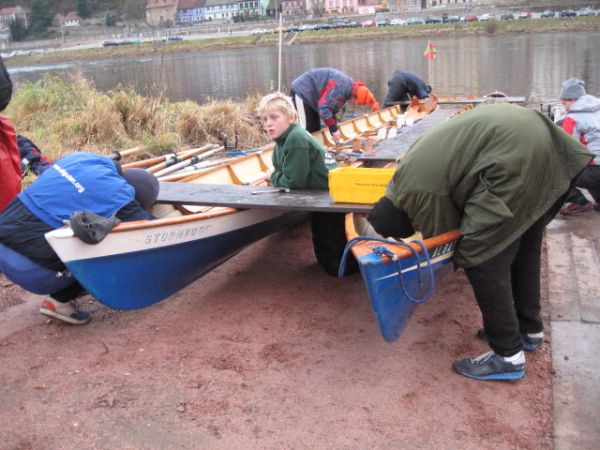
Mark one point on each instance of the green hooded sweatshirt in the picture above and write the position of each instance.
(299, 161)
(491, 172)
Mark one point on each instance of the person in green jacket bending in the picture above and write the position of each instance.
(498, 173)
(300, 162)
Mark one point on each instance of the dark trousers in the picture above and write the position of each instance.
(507, 289)
(313, 120)
(590, 180)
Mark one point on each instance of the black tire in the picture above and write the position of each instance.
(329, 241)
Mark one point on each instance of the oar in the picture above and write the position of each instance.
(117, 155)
(176, 158)
(188, 162)
(157, 159)
(196, 169)
(148, 162)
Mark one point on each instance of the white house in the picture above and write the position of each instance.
(7, 15)
(71, 20)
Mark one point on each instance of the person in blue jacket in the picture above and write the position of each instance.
(404, 85)
(320, 94)
(77, 182)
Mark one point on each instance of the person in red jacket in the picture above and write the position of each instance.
(10, 160)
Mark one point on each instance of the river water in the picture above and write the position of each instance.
(531, 65)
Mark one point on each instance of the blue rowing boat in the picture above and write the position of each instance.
(141, 263)
(398, 275)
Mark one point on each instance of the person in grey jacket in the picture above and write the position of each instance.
(403, 85)
(583, 123)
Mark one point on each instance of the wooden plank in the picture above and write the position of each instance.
(237, 196)
(393, 149)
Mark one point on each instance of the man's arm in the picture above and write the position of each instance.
(330, 101)
(133, 211)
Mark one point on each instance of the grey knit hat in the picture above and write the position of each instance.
(572, 89)
(145, 184)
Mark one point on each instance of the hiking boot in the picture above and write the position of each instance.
(575, 209)
(67, 312)
(531, 341)
(491, 366)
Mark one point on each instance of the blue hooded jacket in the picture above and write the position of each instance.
(77, 182)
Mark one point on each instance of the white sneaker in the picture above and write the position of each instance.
(67, 312)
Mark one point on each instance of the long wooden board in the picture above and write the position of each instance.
(393, 149)
(241, 197)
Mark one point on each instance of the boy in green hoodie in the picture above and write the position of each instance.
(299, 160)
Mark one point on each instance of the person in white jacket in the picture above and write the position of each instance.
(583, 123)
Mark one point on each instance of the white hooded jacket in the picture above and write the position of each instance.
(583, 123)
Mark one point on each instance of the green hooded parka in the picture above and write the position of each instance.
(490, 172)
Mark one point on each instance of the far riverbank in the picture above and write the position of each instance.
(433, 31)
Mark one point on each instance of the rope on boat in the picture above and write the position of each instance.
(381, 250)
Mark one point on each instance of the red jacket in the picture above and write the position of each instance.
(10, 163)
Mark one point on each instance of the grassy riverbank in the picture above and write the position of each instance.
(389, 32)
(65, 114)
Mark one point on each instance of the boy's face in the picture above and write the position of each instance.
(567, 104)
(275, 123)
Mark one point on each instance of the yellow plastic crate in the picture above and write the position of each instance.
(358, 185)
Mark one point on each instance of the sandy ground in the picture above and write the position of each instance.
(264, 352)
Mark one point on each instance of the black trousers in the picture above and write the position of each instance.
(590, 180)
(507, 289)
(313, 120)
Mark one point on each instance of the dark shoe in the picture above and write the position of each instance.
(67, 312)
(491, 366)
(575, 209)
(530, 341)
(596, 206)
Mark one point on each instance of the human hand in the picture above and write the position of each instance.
(268, 174)
(336, 137)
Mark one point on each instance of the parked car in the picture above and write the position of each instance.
(307, 27)
(507, 16)
(259, 31)
(398, 22)
(547, 14)
(110, 44)
(524, 15)
(293, 29)
(338, 23)
(414, 21)
(382, 22)
(586, 12)
(485, 17)
(567, 13)
(433, 19)
(353, 24)
(471, 18)
(453, 19)
(174, 38)
(369, 23)
(323, 26)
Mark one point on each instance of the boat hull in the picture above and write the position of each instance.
(135, 269)
(398, 278)
(391, 284)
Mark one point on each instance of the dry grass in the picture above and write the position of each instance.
(64, 114)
